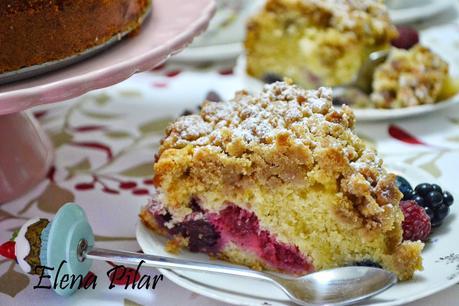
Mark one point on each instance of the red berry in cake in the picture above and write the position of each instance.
(408, 37)
(416, 225)
(8, 249)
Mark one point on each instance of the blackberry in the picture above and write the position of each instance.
(187, 112)
(447, 198)
(213, 96)
(419, 200)
(441, 212)
(423, 189)
(195, 206)
(340, 101)
(435, 201)
(429, 212)
(367, 263)
(269, 78)
(162, 219)
(405, 187)
(437, 188)
(412, 195)
(202, 235)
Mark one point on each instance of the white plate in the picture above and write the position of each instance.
(223, 39)
(437, 275)
(254, 85)
(209, 53)
(428, 10)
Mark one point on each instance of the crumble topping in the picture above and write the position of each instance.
(281, 109)
(283, 135)
(409, 78)
(363, 17)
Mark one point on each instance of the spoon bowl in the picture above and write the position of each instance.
(339, 286)
(362, 83)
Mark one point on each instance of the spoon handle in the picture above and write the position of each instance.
(131, 258)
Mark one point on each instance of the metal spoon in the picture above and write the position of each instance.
(340, 286)
(364, 78)
(67, 242)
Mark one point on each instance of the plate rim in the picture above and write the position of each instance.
(223, 51)
(407, 15)
(219, 295)
(362, 115)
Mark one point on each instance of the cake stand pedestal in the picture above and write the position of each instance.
(25, 154)
(25, 150)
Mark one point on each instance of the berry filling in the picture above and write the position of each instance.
(211, 232)
(242, 228)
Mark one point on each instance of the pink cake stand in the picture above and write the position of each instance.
(25, 150)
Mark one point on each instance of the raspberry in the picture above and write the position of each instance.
(408, 37)
(416, 225)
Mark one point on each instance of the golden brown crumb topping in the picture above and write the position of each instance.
(283, 135)
(247, 122)
(408, 78)
(366, 18)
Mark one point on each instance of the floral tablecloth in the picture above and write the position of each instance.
(105, 142)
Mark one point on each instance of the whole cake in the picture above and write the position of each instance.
(278, 181)
(315, 42)
(38, 31)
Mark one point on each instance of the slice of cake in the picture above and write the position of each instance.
(34, 32)
(315, 42)
(411, 77)
(278, 181)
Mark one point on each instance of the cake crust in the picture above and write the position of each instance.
(37, 31)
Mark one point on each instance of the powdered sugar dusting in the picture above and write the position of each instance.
(281, 118)
(279, 109)
(363, 17)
